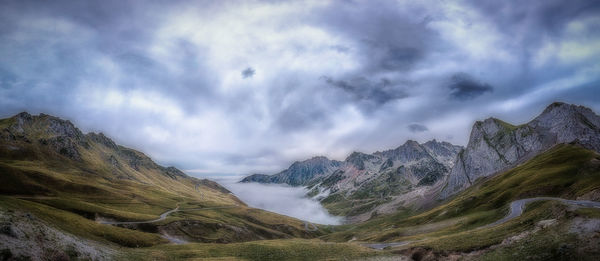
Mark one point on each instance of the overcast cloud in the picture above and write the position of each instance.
(251, 86)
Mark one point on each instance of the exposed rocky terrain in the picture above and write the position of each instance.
(495, 145)
(26, 237)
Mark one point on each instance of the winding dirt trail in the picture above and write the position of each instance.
(516, 209)
(163, 216)
(310, 227)
(518, 206)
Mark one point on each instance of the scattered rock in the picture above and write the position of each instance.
(546, 223)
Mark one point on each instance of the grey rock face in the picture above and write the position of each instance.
(321, 169)
(51, 132)
(495, 145)
(101, 139)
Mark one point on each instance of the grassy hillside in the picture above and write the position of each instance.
(57, 184)
(69, 180)
(566, 171)
(290, 249)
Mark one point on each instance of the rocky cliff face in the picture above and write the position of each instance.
(495, 145)
(370, 184)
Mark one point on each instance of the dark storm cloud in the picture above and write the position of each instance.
(464, 87)
(248, 72)
(164, 76)
(549, 16)
(362, 89)
(390, 37)
(416, 127)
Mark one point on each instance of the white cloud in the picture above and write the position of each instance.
(290, 201)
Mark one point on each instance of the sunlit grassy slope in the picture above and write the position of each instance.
(566, 171)
(72, 180)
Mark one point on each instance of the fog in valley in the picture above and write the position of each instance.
(282, 199)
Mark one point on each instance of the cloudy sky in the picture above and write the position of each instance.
(250, 86)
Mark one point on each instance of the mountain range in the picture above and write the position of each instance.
(415, 176)
(515, 192)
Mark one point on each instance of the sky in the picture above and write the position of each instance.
(240, 87)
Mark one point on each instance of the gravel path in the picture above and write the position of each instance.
(310, 227)
(516, 209)
(163, 216)
(518, 206)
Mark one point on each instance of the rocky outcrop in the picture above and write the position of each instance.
(53, 133)
(495, 145)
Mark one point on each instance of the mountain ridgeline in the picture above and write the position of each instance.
(416, 175)
(363, 181)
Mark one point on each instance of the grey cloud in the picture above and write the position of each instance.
(416, 127)
(391, 47)
(340, 48)
(464, 87)
(248, 72)
(398, 58)
(375, 93)
(390, 38)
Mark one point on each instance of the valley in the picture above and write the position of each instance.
(81, 196)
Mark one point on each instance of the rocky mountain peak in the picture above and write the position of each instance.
(495, 145)
(49, 131)
(26, 123)
(567, 115)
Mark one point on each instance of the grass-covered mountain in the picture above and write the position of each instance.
(548, 230)
(57, 184)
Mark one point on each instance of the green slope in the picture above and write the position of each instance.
(565, 171)
(70, 181)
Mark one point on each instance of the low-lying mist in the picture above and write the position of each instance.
(282, 199)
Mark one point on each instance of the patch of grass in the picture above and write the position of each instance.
(292, 249)
(588, 212)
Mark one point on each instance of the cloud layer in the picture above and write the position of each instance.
(242, 87)
(290, 201)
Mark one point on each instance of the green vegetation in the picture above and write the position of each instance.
(565, 171)
(72, 182)
(291, 249)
